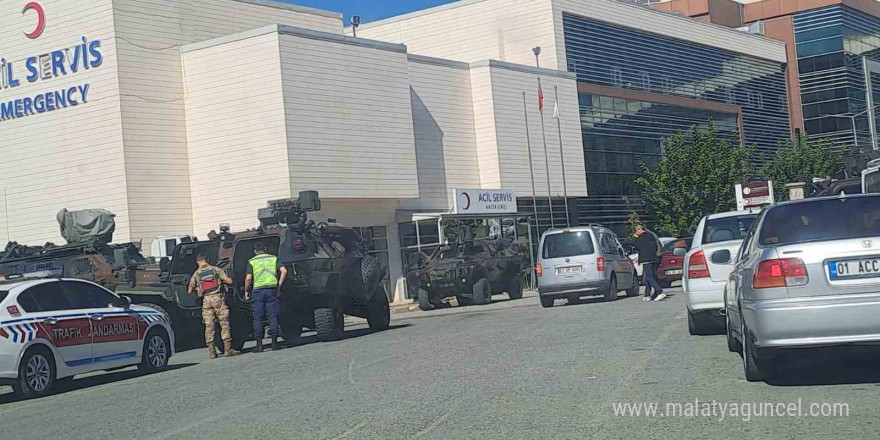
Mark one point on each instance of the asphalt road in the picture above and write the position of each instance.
(512, 370)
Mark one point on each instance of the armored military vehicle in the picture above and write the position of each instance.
(469, 270)
(330, 273)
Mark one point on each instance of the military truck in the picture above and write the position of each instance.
(469, 270)
(330, 273)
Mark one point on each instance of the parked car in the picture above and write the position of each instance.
(671, 267)
(808, 275)
(53, 329)
(633, 254)
(708, 264)
(586, 260)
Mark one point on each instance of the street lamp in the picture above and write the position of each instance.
(852, 119)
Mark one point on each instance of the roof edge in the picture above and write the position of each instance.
(292, 7)
(295, 31)
(524, 69)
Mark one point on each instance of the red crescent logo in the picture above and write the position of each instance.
(41, 19)
(467, 198)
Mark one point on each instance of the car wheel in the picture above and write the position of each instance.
(464, 301)
(611, 293)
(547, 301)
(425, 300)
(482, 292)
(329, 323)
(574, 299)
(696, 325)
(516, 290)
(634, 290)
(378, 311)
(732, 344)
(36, 374)
(753, 365)
(156, 352)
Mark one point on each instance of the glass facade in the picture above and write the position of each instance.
(622, 134)
(830, 45)
(605, 54)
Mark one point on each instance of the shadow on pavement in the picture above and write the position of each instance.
(96, 380)
(827, 366)
(348, 334)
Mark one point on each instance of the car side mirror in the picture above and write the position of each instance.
(123, 302)
(679, 252)
(721, 257)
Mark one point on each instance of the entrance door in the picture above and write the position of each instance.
(183, 265)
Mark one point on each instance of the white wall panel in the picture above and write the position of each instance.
(71, 157)
(507, 88)
(151, 33)
(349, 119)
(443, 121)
(236, 132)
(469, 31)
(485, 127)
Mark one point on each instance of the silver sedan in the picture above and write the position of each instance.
(807, 275)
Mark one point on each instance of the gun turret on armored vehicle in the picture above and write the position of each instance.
(330, 273)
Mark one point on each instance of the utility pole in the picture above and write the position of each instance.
(561, 153)
(531, 167)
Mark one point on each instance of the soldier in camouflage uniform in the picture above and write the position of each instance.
(210, 282)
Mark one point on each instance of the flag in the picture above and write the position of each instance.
(556, 109)
(540, 99)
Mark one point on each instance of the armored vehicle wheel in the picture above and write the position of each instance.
(482, 292)
(291, 329)
(464, 301)
(378, 311)
(329, 323)
(515, 290)
(425, 300)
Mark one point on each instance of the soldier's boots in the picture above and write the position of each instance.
(275, 346)
(212, 353)
(259, 348)
(228, 351)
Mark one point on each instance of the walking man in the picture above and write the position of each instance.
(263, 274)
(210, 282)
(650, 250)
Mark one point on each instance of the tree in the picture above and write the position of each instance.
(633, 220)
(695, 178)
(800, 161)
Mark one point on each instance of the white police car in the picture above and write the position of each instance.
(53, 329)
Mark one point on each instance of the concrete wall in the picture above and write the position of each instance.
(349, 118)
(445, 138)
(508, 83)
(236, 132)
(470, 31)
(150, 34)
(67, 158)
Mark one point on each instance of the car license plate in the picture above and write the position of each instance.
(675, 272)
(568, 270)
(864, 268)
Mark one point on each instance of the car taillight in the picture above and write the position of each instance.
(600, 264)
(784, 272)
(539, 269)
(697, 267)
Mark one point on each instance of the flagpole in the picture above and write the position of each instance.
(537, 52)
(531, 168)
(561, 154)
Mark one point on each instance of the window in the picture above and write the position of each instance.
(617, 74)
(568, 244)
(727, 228)
(46, 297)
(170, 244)
(87, 296)
(820, 221)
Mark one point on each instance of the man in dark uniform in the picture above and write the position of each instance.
(650, 250)
(266, 277)
(210, 282)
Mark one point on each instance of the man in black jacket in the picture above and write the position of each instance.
(650, 250)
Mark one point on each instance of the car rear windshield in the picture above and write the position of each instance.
(728, 228)
(821, 220)
(568, 244)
